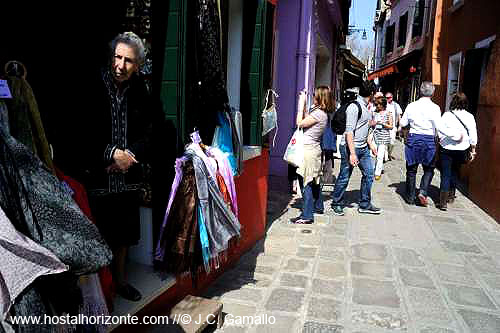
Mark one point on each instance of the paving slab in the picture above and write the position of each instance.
(373, 292)
(416, 278)
(297, 265)
(429, 306)
(331, 270)
(374, 270)
(324, 309)
(435, 330)
(306, 252)
(408, 257)
(317, 327)
(455, 274)
(380, 319)
(369, 252)
(285, 300)
(293, 280)
(469, 296)
(328, 288)
(484, 265)
(480, 322)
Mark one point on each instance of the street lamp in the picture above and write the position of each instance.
(352, 30)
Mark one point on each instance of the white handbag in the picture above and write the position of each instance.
(294, 153)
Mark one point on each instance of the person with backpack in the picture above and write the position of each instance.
(354, 121)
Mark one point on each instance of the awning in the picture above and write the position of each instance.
(353, 74)
(383, 72)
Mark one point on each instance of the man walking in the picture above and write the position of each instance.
(396, 111)
(355, 151)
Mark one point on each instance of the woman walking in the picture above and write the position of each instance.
(382, 133)
(455, 153)
(314, 123)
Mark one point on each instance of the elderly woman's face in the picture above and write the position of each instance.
(124, 62)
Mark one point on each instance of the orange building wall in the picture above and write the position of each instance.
(251, 190)
(459, 31)
(484, 178)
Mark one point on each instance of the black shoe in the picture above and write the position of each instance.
(319, 212)
(303, 221)
(338, 210)
(370, 210)
(129, 293)
(409, 201)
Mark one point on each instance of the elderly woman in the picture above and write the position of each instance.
(314, 123)
(454, 153)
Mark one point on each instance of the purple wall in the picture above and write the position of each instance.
(298, 22)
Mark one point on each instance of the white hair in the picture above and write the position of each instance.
(427, 89)
(132, 40)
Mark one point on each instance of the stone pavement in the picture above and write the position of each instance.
(411, 269)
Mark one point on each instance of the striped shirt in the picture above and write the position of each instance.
(382, 135)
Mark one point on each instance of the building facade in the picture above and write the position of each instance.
(461, 56)
(308, 36)
(401, 28)
(446, 44)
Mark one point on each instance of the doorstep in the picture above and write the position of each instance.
(149, 282)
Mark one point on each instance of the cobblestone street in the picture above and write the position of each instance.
(411, 269)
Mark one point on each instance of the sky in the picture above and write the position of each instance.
(362, 13)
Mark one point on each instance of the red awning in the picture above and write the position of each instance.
(383, 72)
(274, 2)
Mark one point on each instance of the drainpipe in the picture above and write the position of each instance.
(302, 51)
(437, 44)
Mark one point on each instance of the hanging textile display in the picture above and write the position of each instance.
(25, 121)
(40, 208)
(97, 296)
(201, 217)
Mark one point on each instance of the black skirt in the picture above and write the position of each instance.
(117, 218)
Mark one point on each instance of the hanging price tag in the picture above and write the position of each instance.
(4, 89)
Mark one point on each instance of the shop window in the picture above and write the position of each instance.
(256, 66)
(403, 28)
(389, 38)
(418, 18)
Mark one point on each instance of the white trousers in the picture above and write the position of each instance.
(379, 166)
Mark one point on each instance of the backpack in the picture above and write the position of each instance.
(340, 117)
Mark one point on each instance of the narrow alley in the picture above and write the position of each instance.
(411, 269)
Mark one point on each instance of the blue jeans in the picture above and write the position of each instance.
(366, 167)
(312, 199)
(411, 180)
(451, 161)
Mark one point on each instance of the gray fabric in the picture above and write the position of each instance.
(221, 223)
(22, 262)
(359, 127)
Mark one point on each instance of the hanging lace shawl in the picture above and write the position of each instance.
(22, 262)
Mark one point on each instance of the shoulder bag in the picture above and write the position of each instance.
(468, 151)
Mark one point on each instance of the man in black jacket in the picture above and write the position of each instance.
(118, 123)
